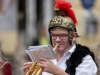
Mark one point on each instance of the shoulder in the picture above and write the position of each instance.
(84, 50)
(88, 58)
(80, 53)
(82, 56)
(82, 47)
(87, 65)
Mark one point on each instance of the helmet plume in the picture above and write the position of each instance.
(66, 8)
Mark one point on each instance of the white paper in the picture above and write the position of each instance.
(35, 52)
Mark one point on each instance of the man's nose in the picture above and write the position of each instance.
(58, 38)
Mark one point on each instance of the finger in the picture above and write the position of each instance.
(25, 68)
(27, 63)
(28, 72)
(41, 65)
(43, 59)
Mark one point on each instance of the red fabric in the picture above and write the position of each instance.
(66, 7)
(6, 68)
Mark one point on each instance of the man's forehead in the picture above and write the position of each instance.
(59, 30)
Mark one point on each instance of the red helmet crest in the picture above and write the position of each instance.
(66, 8)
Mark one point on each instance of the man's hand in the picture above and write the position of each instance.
(48, 65)
(26, 66)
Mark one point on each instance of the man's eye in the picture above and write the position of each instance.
(63, 35)
(54, 35)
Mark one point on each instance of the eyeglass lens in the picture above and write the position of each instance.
(61, 36)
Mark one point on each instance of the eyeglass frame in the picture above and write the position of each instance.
(61, 36)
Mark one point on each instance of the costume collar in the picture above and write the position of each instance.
(70, 50)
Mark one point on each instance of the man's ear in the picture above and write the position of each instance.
(74, 36)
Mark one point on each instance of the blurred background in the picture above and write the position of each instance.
(24, 23)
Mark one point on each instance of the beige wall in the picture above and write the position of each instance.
(9, 40)
(80, 12)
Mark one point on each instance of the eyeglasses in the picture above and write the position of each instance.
(61, 36)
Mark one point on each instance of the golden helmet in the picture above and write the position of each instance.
(60, 21)
(63, 22)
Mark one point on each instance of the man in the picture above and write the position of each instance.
(71, 58)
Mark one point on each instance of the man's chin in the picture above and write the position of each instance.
(60, 49)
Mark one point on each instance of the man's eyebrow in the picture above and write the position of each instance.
(60, 34)
(51, 32)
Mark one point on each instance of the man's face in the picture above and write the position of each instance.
(60, 36)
